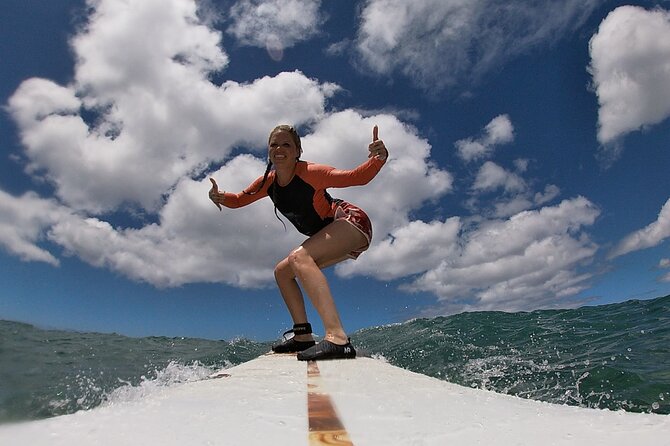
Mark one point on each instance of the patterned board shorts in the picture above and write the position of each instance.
(359, 219)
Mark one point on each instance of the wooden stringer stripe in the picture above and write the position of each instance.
(325, 426)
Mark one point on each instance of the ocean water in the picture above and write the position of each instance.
(609, 357)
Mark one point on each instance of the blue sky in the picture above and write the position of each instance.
(529, 150)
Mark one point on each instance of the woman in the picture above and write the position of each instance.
(337, 230)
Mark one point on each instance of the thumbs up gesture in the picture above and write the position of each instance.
(215, 195)
(377, 147)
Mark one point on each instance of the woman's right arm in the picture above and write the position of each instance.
(232, 200)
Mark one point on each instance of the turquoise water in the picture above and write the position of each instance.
(611, 357)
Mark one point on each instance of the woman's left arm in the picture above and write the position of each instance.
(377, 147)
(364, 173)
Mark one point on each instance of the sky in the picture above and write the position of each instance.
(529, 147)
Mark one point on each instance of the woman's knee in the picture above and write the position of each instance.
(283, 270)
(299, 258)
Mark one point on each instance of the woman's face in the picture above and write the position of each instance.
(282, 149)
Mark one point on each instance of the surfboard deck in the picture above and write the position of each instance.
(278, 400)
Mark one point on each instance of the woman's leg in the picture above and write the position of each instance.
(329, 246)
(290, 291)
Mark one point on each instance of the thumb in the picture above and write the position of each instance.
(375, 133)
(214, 185)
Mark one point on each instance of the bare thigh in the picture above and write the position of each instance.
(333, 243)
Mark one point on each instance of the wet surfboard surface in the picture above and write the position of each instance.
(278, 400)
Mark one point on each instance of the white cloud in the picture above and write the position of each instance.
(514, 193)
(527, 261)
(441, 43)
(524, 200)
(143, 72)
(491, 177)
(508, 205)
(631, 71)
(499, 131)
(521, 164)
(664, 264)
(551, 191)
(22, 223)
(410, 249)
(338, 48)
(275, 24)
(647, 237)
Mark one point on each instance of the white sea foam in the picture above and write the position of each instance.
(173, 374)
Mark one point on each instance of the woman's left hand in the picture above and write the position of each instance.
(377, 147)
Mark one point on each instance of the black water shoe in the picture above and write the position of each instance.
(290, 345)
(327, 350)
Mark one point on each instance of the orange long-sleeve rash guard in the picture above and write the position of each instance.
(304, 201)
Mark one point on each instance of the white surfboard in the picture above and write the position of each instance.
(277, 400)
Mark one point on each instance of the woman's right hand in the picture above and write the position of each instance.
(215, 195)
